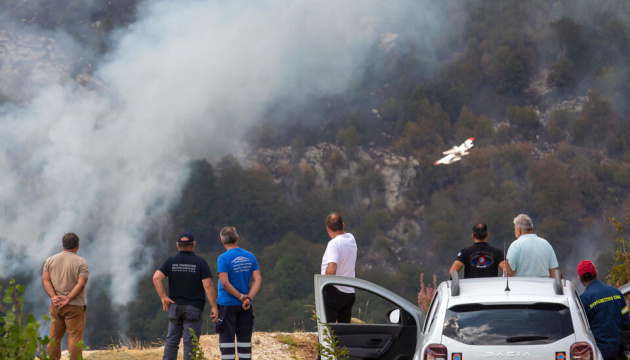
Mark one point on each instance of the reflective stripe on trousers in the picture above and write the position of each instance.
(238, 323)
(227, 351)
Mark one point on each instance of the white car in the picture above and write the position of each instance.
(486, 318)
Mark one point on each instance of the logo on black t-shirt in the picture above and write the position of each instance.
(190, 268)
(481, 260)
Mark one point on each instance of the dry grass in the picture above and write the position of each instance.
(265, 346)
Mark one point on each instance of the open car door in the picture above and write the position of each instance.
(385, 326)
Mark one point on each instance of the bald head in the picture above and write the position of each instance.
(334, 222)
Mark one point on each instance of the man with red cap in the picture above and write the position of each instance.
(606, 310)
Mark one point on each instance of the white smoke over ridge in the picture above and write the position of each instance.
(184, 82)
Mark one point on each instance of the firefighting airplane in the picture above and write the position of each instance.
(456, 153)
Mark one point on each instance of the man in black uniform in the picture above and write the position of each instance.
(480, 259)
(606, 310)
(189, 282)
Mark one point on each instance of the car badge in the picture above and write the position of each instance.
(456, 356)
(561, 355)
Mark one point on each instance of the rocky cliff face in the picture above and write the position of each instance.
(375, 176)
(330, 165)
(23, 56)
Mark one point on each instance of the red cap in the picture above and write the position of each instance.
(586, 266)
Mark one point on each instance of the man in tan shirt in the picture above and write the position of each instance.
(64, 279)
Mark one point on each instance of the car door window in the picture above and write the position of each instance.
(581, 310)
(430, 319)
(371, 308)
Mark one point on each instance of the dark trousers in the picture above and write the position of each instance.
(234, 321)
(338, 305)
(181, 318)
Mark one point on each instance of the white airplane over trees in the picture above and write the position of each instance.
(456, 153)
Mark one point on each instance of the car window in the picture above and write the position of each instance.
(371, 308)
(581, 310)
(430, 319)
(526, 324)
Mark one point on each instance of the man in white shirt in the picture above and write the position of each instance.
(339, 259)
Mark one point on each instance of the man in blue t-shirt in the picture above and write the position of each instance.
(239, 281)
(606, 310)
(189, 282)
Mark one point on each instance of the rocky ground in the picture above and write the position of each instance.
(265, 346)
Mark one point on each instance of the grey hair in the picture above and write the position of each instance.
(523, 222)
(229, 235)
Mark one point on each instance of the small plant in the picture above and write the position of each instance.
(197, 353)
(425, 295)
(295, 343)
(286, 339)
(330, 348)
(290, 342)
(81, 345)
(19, 336)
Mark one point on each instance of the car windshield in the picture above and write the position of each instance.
(527, 324)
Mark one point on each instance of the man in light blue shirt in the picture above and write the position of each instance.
(530, 255)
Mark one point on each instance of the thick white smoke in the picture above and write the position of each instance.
(184, 82)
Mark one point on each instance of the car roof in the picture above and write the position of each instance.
(522, 290)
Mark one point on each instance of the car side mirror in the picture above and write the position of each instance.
(394, 316)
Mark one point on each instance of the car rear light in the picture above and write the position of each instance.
(581, 351)
(435, 352)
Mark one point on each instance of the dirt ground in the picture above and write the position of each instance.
(265, 346)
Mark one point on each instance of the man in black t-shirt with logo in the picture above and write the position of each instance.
(189, 283)
(480, 259)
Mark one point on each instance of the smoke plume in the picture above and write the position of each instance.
(106, 156)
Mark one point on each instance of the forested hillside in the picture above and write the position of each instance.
(542, 86)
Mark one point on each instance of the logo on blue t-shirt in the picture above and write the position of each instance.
(240, 259)
(242, 263)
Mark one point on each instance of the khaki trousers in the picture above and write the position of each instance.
(69, 318)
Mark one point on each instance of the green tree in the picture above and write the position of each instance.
(466, 70)
(20, 339)
(525, 121)
(146, 319)
(562, 75)
(250, 200)
(196, 205)
(289, 266)
(349, 139)
(447, 234)
(509, 72)
(553, 190)
(570, 35)
(620, 271)
(390, 109)
(103, 327)
(595, 122)
(309, 215)
(469, 124)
